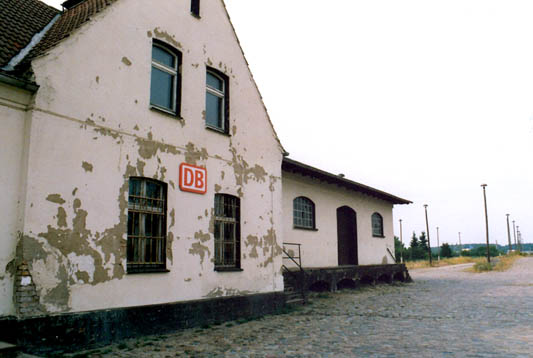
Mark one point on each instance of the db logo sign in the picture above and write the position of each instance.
(193, 178)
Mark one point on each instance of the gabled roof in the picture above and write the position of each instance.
(292, 166)
(20, 20)
(70, 20)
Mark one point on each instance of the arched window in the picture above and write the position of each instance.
(217, 100)
(165, 83)
(147, 211)
(227, 232)
(303, 213)
(377, 225)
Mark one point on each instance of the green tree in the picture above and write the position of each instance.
(446, 250)
(423, 242)
(399, 249)
(413, 247)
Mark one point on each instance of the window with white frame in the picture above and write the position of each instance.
(377, 225)
(227, 232)
(147, 207)
(303, 213)
(165, 82)
(216, 101)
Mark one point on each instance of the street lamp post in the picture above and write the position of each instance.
(509, 235)
(438, 245)
(401, 242)
(486, 221)
(427, 231)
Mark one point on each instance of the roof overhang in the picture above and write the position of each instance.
(18, 82)
(292, 166)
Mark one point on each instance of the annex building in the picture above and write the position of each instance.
(145, 188)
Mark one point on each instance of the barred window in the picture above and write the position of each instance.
(147, 207)
(377, 225)
(303, 213)
(227, 232)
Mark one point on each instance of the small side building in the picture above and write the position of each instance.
(331, 222)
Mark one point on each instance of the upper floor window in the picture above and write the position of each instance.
(195, 7)
(147, 208)
(217, 101)
(303, 213)
(165, 83)
(227, 232)
(377, 225)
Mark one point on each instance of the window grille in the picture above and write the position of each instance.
(227, 231)
(146, 247)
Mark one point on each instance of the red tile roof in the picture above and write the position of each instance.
(20, 20)
(69, 21)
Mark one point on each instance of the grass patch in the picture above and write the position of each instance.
(507, 261)
(500, 263)
(482, 267)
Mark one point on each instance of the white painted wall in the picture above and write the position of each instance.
(319, 248)
(13, 104)
(92, 129)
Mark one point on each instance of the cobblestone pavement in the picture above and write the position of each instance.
(446, 312)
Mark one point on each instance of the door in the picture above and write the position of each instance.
(347, 236)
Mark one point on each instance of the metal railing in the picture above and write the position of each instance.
(391, 255)
(297, 260)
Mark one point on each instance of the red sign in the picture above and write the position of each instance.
(193, 178)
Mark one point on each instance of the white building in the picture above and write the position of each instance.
(143, 177)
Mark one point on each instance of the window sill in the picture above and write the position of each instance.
(165, 112)
(135, 271)
(196, 15)
(379, 236)
(228, 269)
(218, 130)
(305, 228)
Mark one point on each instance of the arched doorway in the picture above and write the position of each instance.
(347, 236)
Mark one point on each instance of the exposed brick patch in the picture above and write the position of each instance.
(26, 297)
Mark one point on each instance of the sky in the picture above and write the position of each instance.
(423, 99)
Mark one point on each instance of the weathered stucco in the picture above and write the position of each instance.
(13, 123)
(80, 159)
(319, 248)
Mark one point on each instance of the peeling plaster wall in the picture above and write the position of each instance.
(83, 152)
(13, 103)
(319, 248)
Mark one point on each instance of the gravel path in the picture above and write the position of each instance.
(446, 312)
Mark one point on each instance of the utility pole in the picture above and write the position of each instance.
(401, 242)
(486, 221)
(438, 245)
(460, 245)
(427, 230)
(509, 235)
(514, 235)
(518, 237)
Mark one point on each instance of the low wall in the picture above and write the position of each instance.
(337, 277)
(69, 332)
